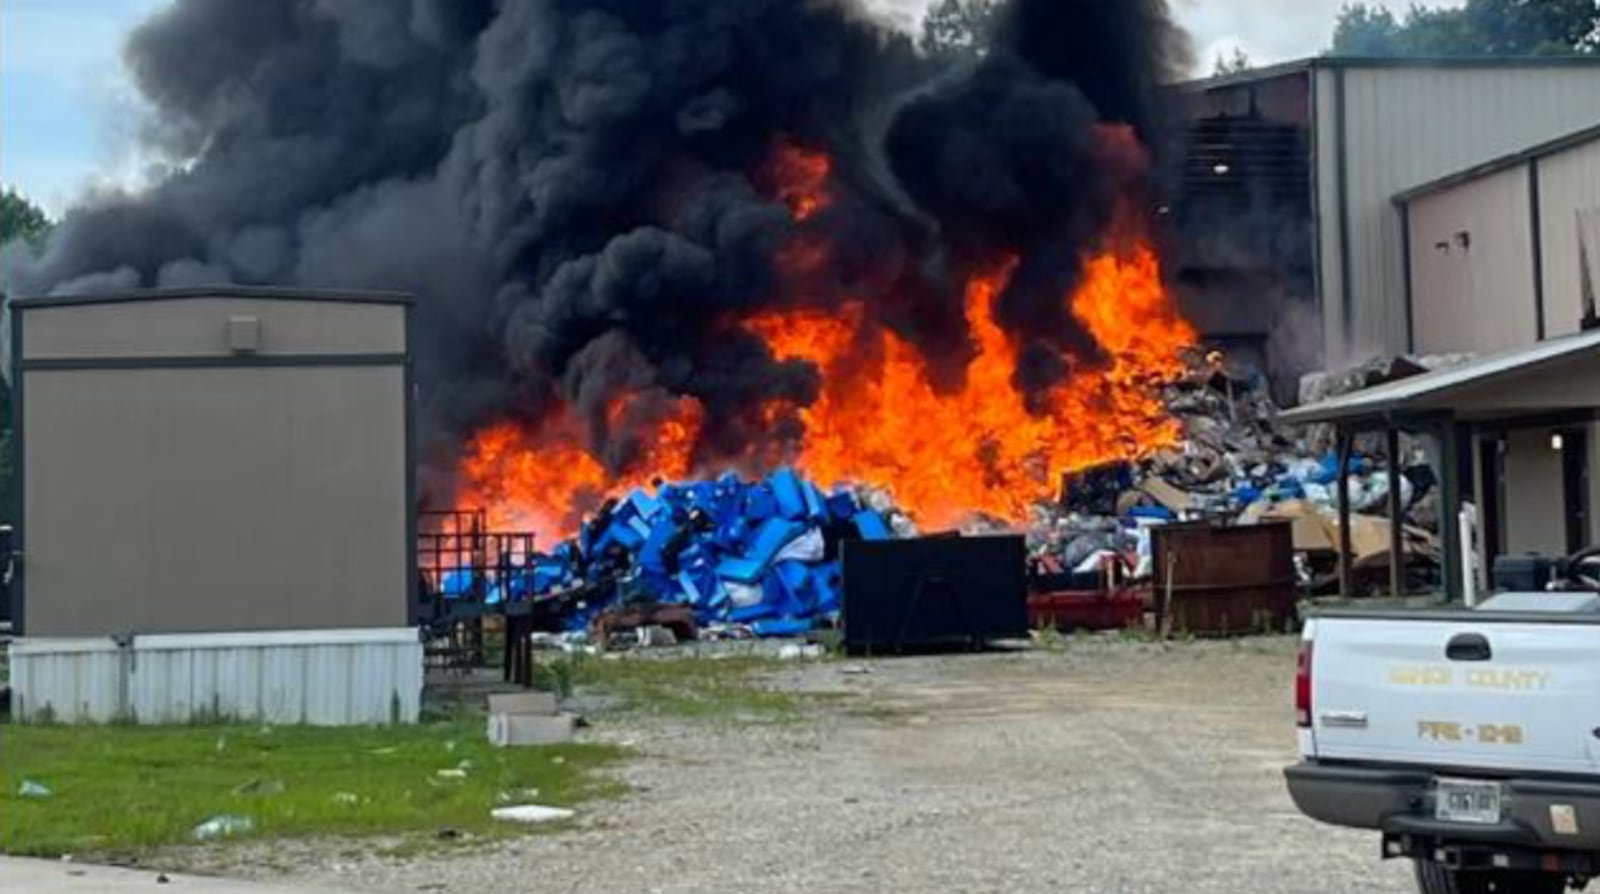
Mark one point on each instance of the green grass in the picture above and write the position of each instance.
(726, 688)
(127, 788)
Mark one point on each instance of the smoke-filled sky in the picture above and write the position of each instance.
(67, 109)
(587, 197)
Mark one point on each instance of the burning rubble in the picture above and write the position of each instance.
(665, 254)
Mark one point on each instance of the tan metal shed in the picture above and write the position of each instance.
(213, 459)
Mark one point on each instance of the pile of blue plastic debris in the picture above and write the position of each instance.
(763, 554)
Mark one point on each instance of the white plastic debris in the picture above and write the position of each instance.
(742, 595)
(31, 789)
(451, 773)
(346, 798)
(223, 826)
(808, 547)
(798, 651)
(531, 813)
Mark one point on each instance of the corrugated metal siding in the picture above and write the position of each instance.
(1569, 183)
(1325, 206)
(1478, 296)
(322, 677)
(1403, 127)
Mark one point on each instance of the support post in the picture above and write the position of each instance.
(1397, 540)
(1450, 507)
(1347, 572)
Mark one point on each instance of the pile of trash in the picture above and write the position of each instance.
(761, 554)
(1235, 462)
(760, 557)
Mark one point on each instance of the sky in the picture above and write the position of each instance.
(68, 113)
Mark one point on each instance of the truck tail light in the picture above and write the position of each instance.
(1302, 686)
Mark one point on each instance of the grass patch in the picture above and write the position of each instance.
(722, 688)
(117, 789)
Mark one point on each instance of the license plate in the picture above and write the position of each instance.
(1467, 801)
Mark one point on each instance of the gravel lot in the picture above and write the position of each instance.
(1102, 767)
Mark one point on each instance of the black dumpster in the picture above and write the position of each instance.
(932, 592)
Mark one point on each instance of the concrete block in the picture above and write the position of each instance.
(530, 729)
(530, 702)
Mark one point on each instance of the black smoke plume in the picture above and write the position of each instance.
(573, 189)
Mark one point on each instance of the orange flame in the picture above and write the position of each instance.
(943, 455)
(800, 176)
(543, 478)
(979, 449)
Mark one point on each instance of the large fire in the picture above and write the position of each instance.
(944, 455)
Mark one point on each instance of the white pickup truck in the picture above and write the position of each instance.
(1470, 738)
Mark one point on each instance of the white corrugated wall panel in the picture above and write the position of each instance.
(323, 677)
(1404, 126)
(67, 679)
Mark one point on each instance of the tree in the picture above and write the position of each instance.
(1227, 65)
(20, 218)
(956, 28)
(1364, 30)
(1478, 28)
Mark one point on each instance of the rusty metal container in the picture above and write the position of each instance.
(1224, 580)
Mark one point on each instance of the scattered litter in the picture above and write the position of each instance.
(451, 773)
(517, 795)
(531, 813)
(31, 789)
(223, 826)
(797, 651)
(346, 798)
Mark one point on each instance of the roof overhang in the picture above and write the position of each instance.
(1556, 376)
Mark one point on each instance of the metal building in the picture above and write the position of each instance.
(1285, 203)
(1499, 256)
(229, 464)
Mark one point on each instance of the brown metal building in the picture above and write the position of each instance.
(213, 459)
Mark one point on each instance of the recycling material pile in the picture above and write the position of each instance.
(1234, 461)
(761, 555)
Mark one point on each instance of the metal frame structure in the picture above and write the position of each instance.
(1446, 405)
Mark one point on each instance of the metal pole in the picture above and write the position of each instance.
(1450, 507)
(1347, 572)
(1397, 544)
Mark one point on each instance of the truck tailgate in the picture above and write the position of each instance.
(1457, 693)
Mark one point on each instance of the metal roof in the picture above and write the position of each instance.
(1280, 69)
(1432, 391)
(1538, 150)
(273, 293)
